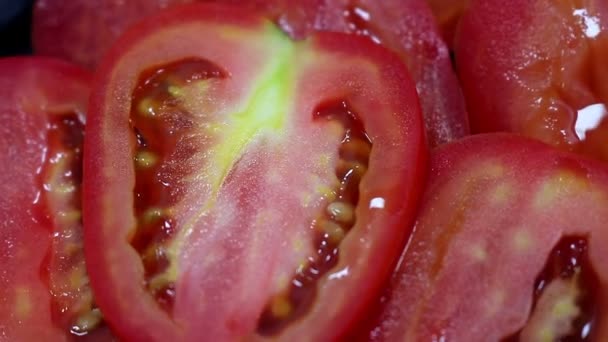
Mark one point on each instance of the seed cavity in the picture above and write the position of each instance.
(565, 296)
(162, 128)
(72, 301)
(332, 224)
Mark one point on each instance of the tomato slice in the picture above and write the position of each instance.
(509, 245)
(408, 28)
(44, 288)
(538, 68)
(233, 183)
(82, 31)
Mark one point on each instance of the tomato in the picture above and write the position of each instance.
(83, 30)
(44, 291)
(238, 186)
(538, 68)
(509, 245)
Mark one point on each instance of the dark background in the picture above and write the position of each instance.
(15, 27)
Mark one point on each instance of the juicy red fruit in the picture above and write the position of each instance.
(247, 219)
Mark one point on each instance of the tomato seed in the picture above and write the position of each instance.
(281, 306)
(87, 322)
(341, 212)
(356, 150)
(148, 107)
(145, 159)
(332, 231)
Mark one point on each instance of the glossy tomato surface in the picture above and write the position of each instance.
(538, 68)
(44, 292)
(509, 245)
(82, 31)
(239, 186)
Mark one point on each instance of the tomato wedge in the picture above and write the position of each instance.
(82, 31)
(44, 290)
(239, 184)
(538, 68)
(509, 245)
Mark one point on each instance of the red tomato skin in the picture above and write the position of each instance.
(82, 31)
(30, 88)
(126, 303)
(429, 298)
(531, 74)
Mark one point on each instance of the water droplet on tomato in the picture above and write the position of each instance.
(589, 118)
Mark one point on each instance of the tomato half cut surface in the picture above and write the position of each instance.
(82, 31)
(538, 68)
(239, 184)
(509, 245)
(44, 290)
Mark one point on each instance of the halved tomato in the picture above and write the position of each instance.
(82, 31)
(44, 290)
(509, 245)
(240, 184)
(538, 67)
